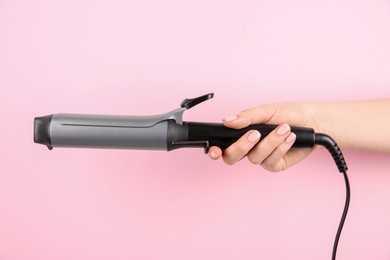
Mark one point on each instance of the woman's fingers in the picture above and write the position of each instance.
(273, 151)
(215, 152)
(241, 147)
(251, 116)
(263, 149)
(270, 152)
(276, 162)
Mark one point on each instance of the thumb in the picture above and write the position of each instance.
(257, 115)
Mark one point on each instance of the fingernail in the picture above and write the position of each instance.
(283, 129)
(230, 118)
(290, 138)
(214, 155)
(254, 136)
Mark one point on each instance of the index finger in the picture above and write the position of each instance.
(251, 116)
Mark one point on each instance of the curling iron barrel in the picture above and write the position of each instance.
(157, 132)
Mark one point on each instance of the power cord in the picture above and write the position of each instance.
(334, 150)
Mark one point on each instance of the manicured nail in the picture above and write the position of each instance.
(283, 129)
(214, 155)
(291, 138)
(230, 118)
(254, 136)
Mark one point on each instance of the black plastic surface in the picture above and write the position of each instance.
(177, 136)
(190, 102)
(42, 130)
(221, 136)
(334, 150)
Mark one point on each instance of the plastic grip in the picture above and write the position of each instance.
(334, 150)
(219, 135)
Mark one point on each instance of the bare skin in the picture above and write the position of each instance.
(357, 125)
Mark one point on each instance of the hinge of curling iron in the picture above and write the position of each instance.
(190, 144)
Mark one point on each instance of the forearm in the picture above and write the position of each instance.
(358, 125)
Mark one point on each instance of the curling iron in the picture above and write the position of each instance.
(167, 132)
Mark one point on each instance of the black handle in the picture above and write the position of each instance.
(222, 136)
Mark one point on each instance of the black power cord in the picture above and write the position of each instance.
(333, 148)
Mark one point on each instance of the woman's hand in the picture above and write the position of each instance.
(273, 152)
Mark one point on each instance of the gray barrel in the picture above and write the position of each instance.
(101, 131)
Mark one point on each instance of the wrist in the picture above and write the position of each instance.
(320, 119)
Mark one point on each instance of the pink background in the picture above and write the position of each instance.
(144, 57)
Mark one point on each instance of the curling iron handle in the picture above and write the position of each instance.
(219, 135)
